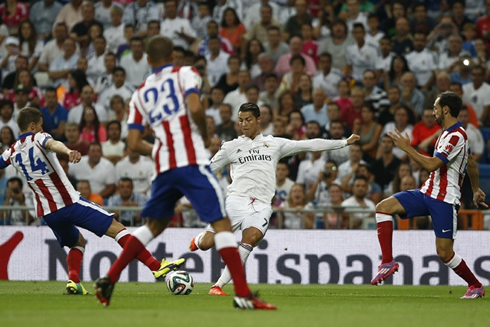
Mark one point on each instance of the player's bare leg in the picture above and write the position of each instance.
(445, 251)
(250, 238)
(226, 246)
(384, 211)
(203, 241)
(74, 263)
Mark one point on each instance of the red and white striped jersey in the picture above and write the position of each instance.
(445, 183)
(43, 172)
(160, 101)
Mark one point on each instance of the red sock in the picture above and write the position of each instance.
(74, 261)
(385, 238)
(231, 257)
(144, 256)
(464, 272)
(130, 251)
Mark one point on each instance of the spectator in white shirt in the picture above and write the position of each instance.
(449, 59)
(360, 55)
(103, 11)
(43, 14)
(475, 137)
(136, 65)
(140, 169)
(97, 170)
(216, 60)
(179, 30)
(54, 48)
(63, 65)
(113, 149)
(139, 13)
(236, 98)
(477, 94)
(327, 77)
(359, 199)
(119, 87)
(221, 6)
(87, 96)
(96, 59)
(114, 33)
(104, 80)
(422, 62)
(200, 21)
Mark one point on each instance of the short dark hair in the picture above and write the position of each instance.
(28, 115)
(94, 144)
(326, 54)
(250, 107)
(119, 69)
(159, 47)
(16, 179)
(154, 21)
(297, 57)
(452, 100)
(271, 75)
(114, 122)
(126, 179)
(6, 102)
(252, 87)
(360, 177)
(358, 25)
(48, 89)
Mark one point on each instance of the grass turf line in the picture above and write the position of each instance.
(150, 304)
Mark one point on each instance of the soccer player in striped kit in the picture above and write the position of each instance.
(440, 195)
(253, 159)
(61, 206)
(169, 101)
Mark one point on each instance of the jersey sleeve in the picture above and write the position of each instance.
(190, 80)
(136, 117)
(41, 138)
(450, 147)
(5, 158)
(288, 147)
(220, 159)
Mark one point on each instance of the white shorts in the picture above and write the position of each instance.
(247, 212)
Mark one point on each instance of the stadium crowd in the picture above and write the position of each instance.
(316, 68)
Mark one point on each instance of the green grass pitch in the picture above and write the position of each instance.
(149, 304)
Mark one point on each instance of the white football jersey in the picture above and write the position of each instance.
(160, 101)
(253, 162)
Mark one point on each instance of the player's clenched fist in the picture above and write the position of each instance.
(74, 156)
(353, 139)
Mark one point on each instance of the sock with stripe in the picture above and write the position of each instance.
(244, 250)
(227, 248)
(385, 236)
(144, 256)
(132, 248)
(459, 266)
(74, 262)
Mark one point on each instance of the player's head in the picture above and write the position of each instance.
(30, 120)
(249, 119)
(447, 104)
(160, 51)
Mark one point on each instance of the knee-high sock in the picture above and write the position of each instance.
(227, 248)
(132, 248)
(459, 266)
(74, 261)
(244, 249)
(144, 256)
(385, 236)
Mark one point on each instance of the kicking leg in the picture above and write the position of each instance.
(203, 241)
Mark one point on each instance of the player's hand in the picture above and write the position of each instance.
(353, 139)
(479, 199)
(74, 156)
(400, 140)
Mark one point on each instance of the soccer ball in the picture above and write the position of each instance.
(180, 282)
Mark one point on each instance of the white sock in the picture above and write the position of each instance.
(224, 240)
(382, 217)
(79, 248)
(143, 234)
(454, 261)
(244, 249)
(121, 234)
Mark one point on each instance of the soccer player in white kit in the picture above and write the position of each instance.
(253, 159)
(439, 197)
(169, 100)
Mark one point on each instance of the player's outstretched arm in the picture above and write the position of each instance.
(289, 147)
(403, 142)
(198, 116)
(474, 176)
(58, 147)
